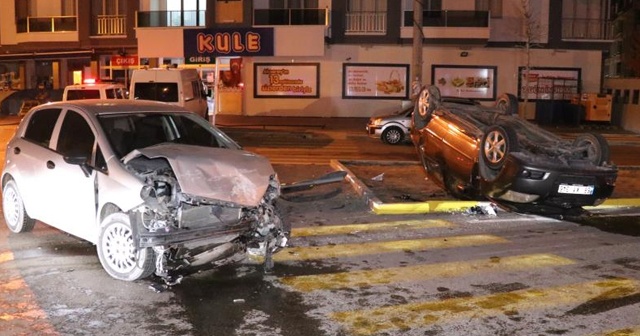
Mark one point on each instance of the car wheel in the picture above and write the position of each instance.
(428, 101)
(596, 148)
(117, 252)
(14, 213)
(392, 135)
(508, 104)
(497, 142)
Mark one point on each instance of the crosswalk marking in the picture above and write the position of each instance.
(351, 228)
(308, 283)
(404, 317)
(631, 331)
(6, 257)
(348, 250)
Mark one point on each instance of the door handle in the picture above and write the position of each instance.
(50, 164)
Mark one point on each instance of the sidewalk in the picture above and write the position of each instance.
(326, 123)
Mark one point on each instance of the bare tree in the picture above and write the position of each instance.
(531, 33)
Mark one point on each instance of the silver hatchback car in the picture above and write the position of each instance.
(393, 128)
(157, 189)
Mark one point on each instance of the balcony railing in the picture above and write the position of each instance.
(450, 19)
(107, 25)
(291, 17)
(170, 19)
(47, 24)
(374, 23)
(586, 29)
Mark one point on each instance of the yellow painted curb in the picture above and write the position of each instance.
(380, 208)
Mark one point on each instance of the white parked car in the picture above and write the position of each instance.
(156, 188)
(95, 91)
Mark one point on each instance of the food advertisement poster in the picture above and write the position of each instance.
(286, 80)
(474, 82)
(548, 83)
(377, 81)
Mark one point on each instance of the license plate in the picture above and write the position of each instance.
(575, 189)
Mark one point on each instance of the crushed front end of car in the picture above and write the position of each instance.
(204, 207)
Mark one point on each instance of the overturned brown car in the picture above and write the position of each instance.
(480, 152)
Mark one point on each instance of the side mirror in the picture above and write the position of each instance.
(81, 161)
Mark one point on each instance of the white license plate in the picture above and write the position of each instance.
(575, 189)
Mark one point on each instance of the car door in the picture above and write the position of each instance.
(26, 157)
(71, 190)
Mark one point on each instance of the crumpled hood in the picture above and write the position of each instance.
(229, 175)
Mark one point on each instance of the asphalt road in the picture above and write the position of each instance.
(348, 271)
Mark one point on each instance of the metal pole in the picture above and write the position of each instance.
(416, 69)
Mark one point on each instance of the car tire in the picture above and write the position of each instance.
(596, 147)
(428, 101)
(508, 104)
(498, 141)
(117, 252)
(392, 135)
(15, 214)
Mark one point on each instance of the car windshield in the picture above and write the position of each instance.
(128, 131)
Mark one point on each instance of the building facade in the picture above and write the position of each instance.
(622, 66)
(328, 58)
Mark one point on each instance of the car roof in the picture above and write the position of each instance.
(95, 86)
(112, 106)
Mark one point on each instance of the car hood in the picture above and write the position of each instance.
(228, 175)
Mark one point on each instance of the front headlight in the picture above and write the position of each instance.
(377, 121)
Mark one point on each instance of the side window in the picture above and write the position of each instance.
(165, 92)
(110, 93)
(76, 137)
(41, 126)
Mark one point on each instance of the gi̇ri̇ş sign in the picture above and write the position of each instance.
(286, 80)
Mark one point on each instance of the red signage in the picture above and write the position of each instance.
(124, 60)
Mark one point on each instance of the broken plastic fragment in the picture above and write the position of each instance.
(482, 209)
(378, 178)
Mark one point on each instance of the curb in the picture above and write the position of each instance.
(380, 208)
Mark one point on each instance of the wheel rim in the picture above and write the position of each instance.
(495, 147)
(423, 103)
(118, 248)
(11, 205)
(393, 136)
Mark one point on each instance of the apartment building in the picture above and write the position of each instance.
(622, 65)
(330, 58)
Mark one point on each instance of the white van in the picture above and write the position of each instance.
(94, 91)
(181, 87)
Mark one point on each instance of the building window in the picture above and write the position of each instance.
(366, 17)
(586, 19)
(494, 7)
(293, 4)
(636, 98)
(172, 13)
(427, 5)
(109, 17)
(45, 16)
(626, 96)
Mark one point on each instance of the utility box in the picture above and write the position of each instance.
(597, 106)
